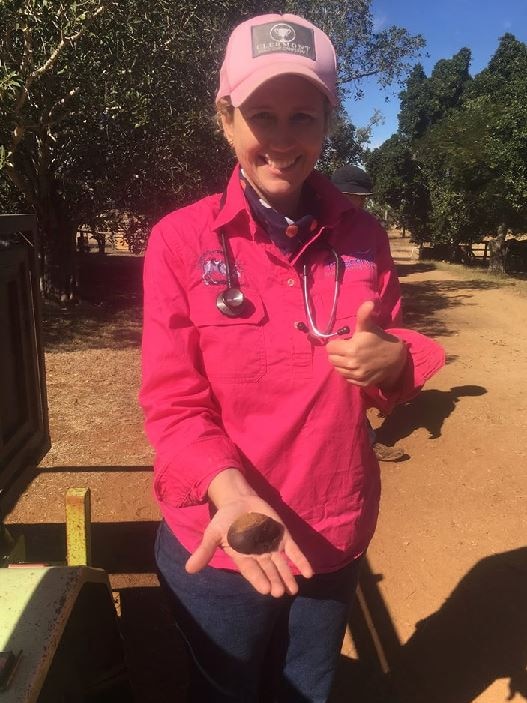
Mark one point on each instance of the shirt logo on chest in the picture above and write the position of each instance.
(214, 270)
(358, 260)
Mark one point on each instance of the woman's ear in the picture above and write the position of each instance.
(227, 125)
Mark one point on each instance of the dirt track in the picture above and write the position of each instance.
(450, 549)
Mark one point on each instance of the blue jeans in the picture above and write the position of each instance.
(250, 648)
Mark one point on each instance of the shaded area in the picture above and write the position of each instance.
(412, 267)
(115, 279)
(117, 547)
(90, 327)
(478, 635)
(376, 643)
(109, 315)
(424, 299)
(155, 652)
(428, 410)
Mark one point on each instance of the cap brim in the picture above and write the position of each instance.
(257, 78)
(352, 190)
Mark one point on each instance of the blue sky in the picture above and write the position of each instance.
(447, 26)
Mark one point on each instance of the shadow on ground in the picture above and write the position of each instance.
(428, 410)
(424, 299)
(109, 315)
(478, 635)
(413, 267)
(117, 547)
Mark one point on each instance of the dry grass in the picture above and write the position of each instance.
(93, 368)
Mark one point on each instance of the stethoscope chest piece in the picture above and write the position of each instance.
(231, 302)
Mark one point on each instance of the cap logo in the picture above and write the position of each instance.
(282, 32)
(282, 37)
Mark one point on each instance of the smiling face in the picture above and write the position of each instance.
(277, 134)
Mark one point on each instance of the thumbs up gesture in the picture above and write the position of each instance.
(371, 357)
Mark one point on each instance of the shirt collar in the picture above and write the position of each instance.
(232, 202)
(331, 203)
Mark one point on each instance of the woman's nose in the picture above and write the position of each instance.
(283, 136)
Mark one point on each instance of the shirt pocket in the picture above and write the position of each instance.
(351, 296)
(358, 283)
(232, 348)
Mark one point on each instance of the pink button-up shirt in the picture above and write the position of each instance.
(254, 392)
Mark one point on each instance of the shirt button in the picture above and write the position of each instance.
(290, 281)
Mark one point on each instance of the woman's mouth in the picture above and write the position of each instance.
(280, 164)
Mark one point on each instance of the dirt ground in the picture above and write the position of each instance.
(442, 611)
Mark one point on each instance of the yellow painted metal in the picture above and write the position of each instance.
(78, 527)
(36, 603)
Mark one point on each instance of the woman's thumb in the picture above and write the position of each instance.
(365, 321)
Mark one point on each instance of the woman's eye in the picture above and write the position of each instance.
(302, 118)
(262, 117)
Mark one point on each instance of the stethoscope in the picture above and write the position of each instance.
(231, 301)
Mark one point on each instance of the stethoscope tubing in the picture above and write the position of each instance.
(231, 301)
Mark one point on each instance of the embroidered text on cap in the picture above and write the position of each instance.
(283, 37)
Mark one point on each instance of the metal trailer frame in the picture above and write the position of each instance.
(24, 440)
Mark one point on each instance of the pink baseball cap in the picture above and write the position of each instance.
(267, 46)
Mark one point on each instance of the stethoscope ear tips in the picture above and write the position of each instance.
(302, 327)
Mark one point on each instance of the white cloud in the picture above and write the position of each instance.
(379, 22)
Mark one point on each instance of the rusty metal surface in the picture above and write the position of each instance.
(35, 604)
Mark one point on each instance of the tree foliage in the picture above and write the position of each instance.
(467, 140)
(106, 107)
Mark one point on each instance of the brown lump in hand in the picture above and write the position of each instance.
(254, 533)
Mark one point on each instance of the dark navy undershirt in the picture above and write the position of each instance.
(288, 235)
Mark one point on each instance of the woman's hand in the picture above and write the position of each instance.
(268, 573)
(371, 357)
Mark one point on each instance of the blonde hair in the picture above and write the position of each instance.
(224, 108)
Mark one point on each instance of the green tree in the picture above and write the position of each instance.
(476, 156)
(106, 106)
(400, 183)
(406, 177)
(500, 91)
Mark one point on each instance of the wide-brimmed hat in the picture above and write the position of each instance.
(352, 180)
(267, 46)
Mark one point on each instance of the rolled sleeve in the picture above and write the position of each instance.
(425, 357)
(182, 420)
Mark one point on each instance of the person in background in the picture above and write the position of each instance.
(357, 186)
(270, 326)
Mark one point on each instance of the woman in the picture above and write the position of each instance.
(268, 330)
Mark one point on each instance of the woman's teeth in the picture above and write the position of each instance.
(279, 165)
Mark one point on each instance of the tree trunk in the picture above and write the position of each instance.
(101, 243)
(498, 251)
(57, 253)
(59, 274)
